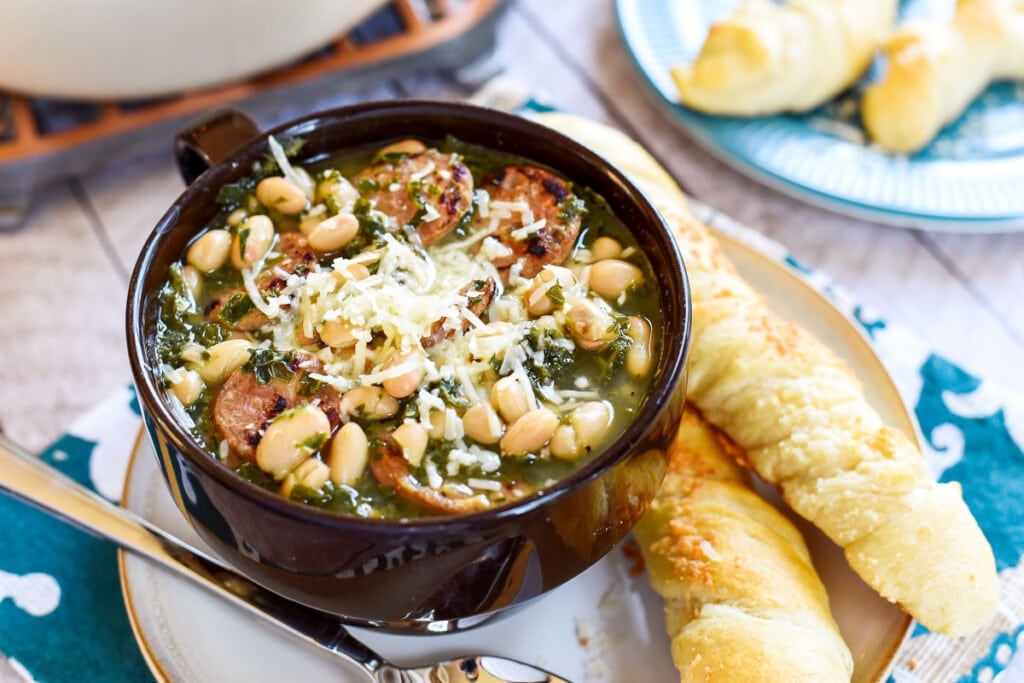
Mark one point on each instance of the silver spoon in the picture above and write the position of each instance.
(28, 478)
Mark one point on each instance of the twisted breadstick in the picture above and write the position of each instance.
(936, 69)
(769, 57)
(739, 587)
(799, 413)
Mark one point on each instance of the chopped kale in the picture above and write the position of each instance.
(176, 304)
(209, 334)
(243, 238)
(479, 160)
(233, 195)
(555, 294)
(367, 185)
(571, 208)
(235, 309)
(612, 356)
(267, 365)
(314, 442)
(309, 385)
(304, 494)
(557, 361)
(291, 146)
(371, 229)
(171, 343)
(451, 393)
(248, 470)
(199, 411)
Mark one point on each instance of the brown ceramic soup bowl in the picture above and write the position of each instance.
(439, 573)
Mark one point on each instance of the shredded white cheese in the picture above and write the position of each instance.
(529, 230)
(483, 484)
(302, 180)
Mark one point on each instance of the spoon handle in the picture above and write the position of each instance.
(28, 478)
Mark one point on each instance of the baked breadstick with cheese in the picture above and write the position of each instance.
(769, 57)
(742, 600)
(936, 69)
(801, 417)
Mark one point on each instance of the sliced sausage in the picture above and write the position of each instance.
(479, 295)
(430, 181)
(296, 257)
(244, 407)
(390, 468)
(548, 197)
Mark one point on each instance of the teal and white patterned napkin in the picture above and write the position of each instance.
(61, 612)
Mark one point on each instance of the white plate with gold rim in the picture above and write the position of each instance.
(605, 625)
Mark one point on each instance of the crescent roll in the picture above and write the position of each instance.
(768, 57)
(801, 417)
(936, 69)
(742, 600)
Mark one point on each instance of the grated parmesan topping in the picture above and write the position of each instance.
(397, 297)
(301, 179)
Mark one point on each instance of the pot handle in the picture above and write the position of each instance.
(211, 141)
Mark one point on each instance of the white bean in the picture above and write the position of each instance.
(482, 424)
(530, 433)
(412, 437)
(312, 474)
(408, 382)
(638, 357)
(252, 241)
(281, 194)
(585, 430)
(210, 251)
(591, 325)
(350, 451)
(222, 359)
(187, 385)
(236, 217)
(611, 277)
(604, 248)
(369, 403)
(591, 422)
(438, 420)
(335, 188)
(353, 271)
(312, 218)
(333, 233)
(193, 280)
(410, 146)
(509, 398)
(292, 438)
(338, 333)
(538, 299)
(563, 443)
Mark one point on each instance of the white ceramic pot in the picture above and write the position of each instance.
(146, 48)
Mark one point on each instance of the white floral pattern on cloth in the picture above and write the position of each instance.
(36, 594)
(57, 583)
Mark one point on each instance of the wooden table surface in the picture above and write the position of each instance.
(63, 276)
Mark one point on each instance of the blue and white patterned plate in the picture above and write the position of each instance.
(969, 179)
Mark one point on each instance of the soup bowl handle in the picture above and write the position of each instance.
(210, 141)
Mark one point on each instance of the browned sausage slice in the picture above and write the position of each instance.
(429, 181)
(549, 199)
(243, 407)
(296, 257)
(480, 295)
(390, 468)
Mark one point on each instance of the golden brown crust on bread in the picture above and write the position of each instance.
(800, 415)
(769, 57)
(934, 70)
(742, 599)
